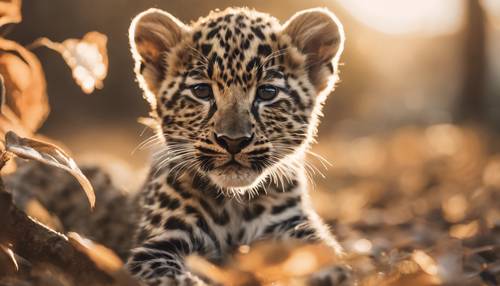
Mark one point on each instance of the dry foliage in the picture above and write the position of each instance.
(417, 206)
(26, 103)
(10, 11)
(87, 58)
(49, 154)
(23, 109)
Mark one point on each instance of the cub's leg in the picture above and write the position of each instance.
(160, 260)
(168, 237)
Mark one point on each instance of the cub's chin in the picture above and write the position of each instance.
(234, 177)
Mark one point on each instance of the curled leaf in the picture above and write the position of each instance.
(87, 58)
(25, 88)
(10, 12)
(49, 154)
(8, 256)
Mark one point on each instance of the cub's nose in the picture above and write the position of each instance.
(233, 145)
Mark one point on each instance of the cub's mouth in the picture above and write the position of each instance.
(233, 174)
(231, 164)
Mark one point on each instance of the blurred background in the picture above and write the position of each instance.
(409, 138)
(405, 62)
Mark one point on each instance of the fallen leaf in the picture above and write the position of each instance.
(49, 154)
(426, 262)
(10, 12)
(36, 210)
(25, 87)
(8, 255)
(221, 276)
(10, 122)
(103, 257)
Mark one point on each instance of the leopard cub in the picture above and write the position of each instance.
(236, 98)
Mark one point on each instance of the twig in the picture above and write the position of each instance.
(41, 245)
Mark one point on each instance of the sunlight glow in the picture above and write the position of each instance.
(429, 17)
(301, 262)
(363, 246)
(88, 64)
(492, 8)
(426, 262)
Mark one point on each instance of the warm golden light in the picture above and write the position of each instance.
(493, 8)
(404, 17)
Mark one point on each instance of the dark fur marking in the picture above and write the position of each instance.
(168, 202)
(285, 224)
(196, 36)
(291, 202)
(174, 246)
(253, 211)
(202, 224)
(258, 32)
(264, 50)
(205, 49)
(177, 223)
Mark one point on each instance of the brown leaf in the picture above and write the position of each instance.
(10, 12)
(10, 122)
(103, 257)
(25, 88)
(36, 210)
(222, 276)
(7, 256)
(48, 154)
(87, 58)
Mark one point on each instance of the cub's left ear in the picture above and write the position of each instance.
(154, 33)
(319, 35)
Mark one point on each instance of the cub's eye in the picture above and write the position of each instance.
(266, 92)
(202, 91)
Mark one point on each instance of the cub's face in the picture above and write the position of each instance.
(236, 94)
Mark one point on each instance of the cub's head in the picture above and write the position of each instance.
(236, 94)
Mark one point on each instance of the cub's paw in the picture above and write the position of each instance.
(179, 280)
(190, 279)
(338, 275)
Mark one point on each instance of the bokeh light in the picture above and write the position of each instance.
(428, 17)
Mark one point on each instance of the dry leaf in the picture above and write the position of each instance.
(48, 154)
(222, 276)
(427, 263)
(10, 122)
(87, 58)
(36, 210)
(103, 257)
(25, 88)
(10, 12)
(8, 257)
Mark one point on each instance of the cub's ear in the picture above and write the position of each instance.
(153, 33)
(319, 35)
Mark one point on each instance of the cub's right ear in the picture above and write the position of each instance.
(153, 33)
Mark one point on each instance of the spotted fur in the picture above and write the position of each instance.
(230, 168)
